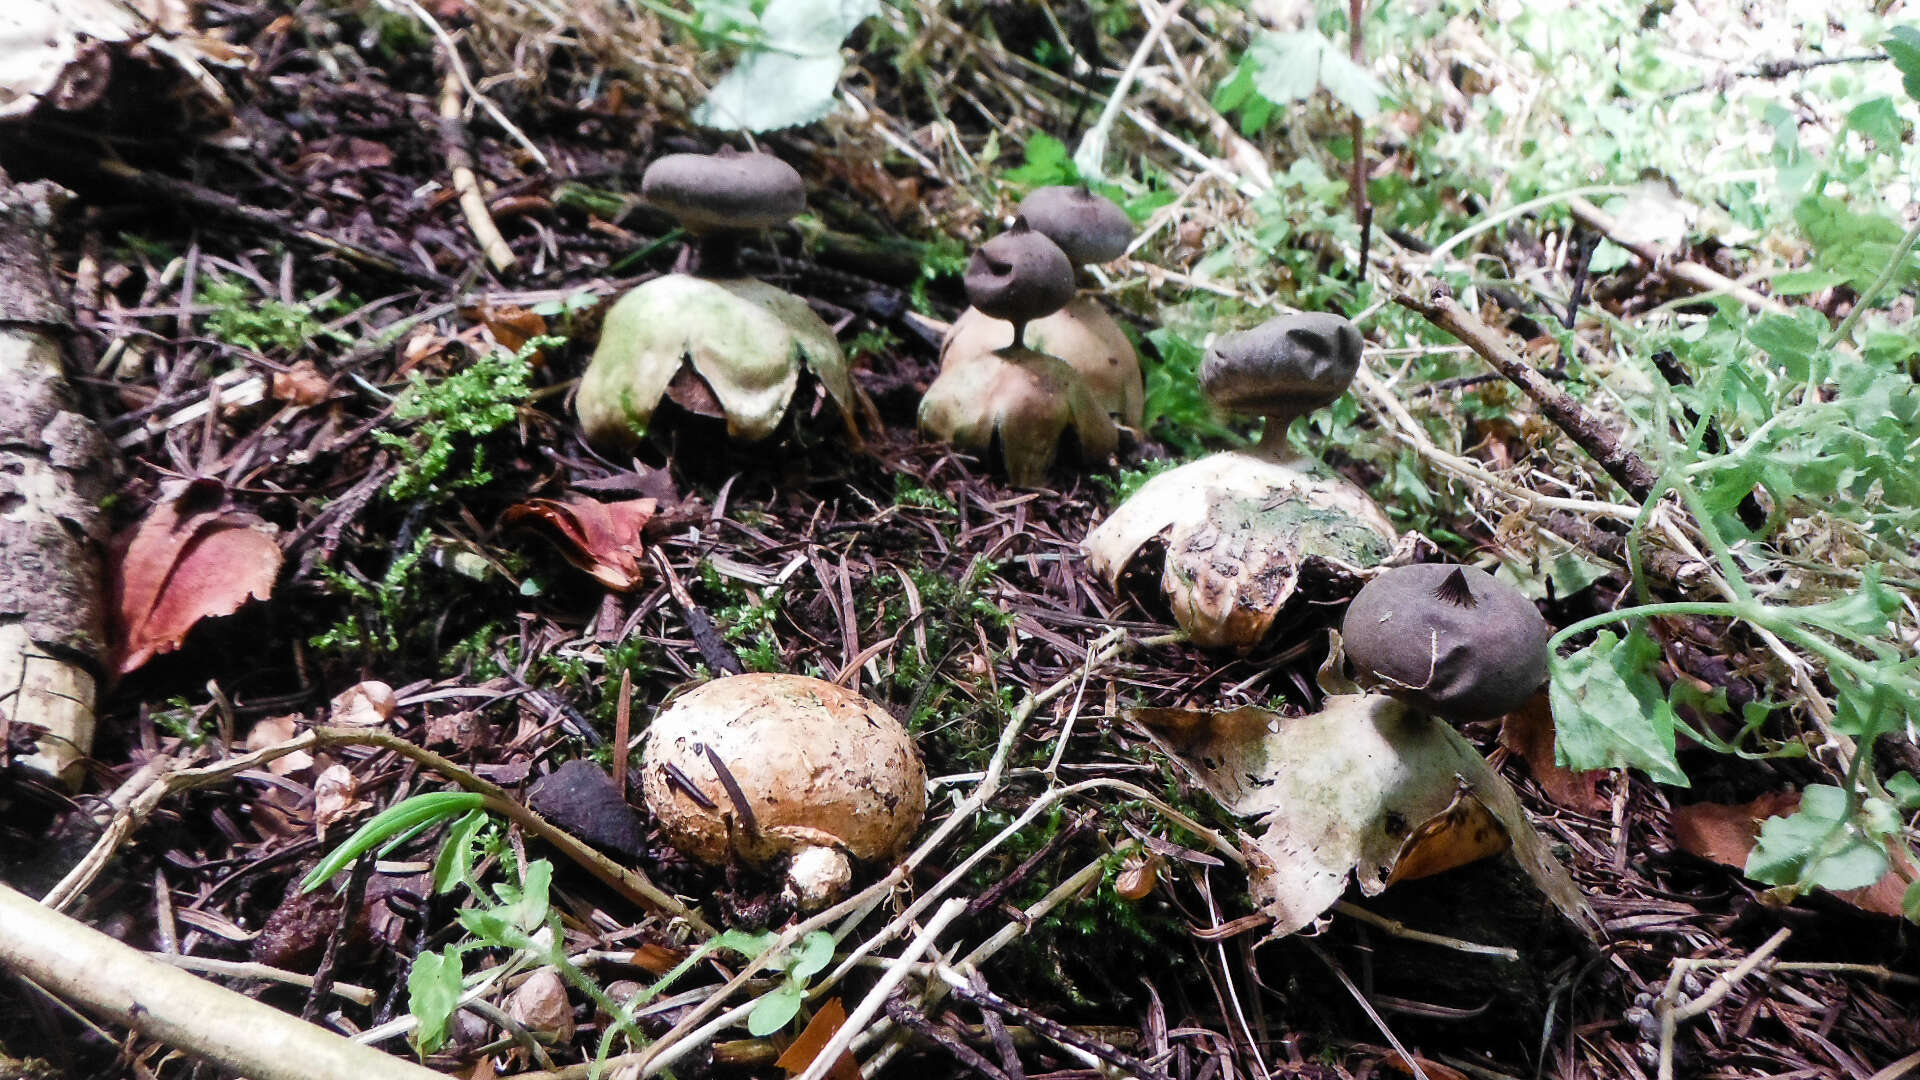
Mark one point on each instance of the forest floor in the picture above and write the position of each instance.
(285, 323)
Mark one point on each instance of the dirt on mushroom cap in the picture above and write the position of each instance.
(817, 765)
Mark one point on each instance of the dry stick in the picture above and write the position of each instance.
(473, 204)
(1362, 206)
(1671, 1010)
(1057, 1032)
(629, 883)
(55, 471)
(1090, 155)
(1899, 1068)
(1627, 468)
(1690, 272)
(876, 999)
(237, 1033)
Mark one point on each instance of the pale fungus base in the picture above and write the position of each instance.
(1241, 527)
(745, 338)
(1366, 787)
(1026, 401)
(1082, 333)
(766, 766)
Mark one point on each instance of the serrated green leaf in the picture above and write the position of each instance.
(1903, 45)
(791, 79)
(1609, 712)
(1287, 66)
(1817, 845)
(1866, 611)
(433, 993)
(1048, 162)
(1802, 282)
(1905, 790)
(775, 1009)
(454, 865)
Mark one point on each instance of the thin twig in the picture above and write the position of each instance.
(1627, 468)
(1685, 270)
(1672, 1010)
(473, 204)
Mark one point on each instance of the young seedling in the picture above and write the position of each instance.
(714, 339)
(768, 769)
(1088, 228)
(1448, 640)
(1018, 399)
(1243, 526)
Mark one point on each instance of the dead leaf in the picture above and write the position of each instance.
(364, 704)
(1726, 834)
(183, 564)
(657, 959)
(335, 793)
(1465, 832)
(819, 1031)
(511, 326)
(601, 538)
(1339, 793)
(273, 731)
(1528, 732)
(1434, 1070)
(541, 1004)
(301, 384)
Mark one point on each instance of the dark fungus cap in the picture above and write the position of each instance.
(1089, 228)
(1287, 366)
(1019, 276)
(1448, 640)
(723, 191)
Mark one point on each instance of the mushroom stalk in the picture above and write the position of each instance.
(1273, 438)
(714, 255)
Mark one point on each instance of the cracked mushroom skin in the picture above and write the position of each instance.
(1017, 400)
(1087, 228)
(766, 767)
(1451, 641)
(1242, 527)
(714, 335)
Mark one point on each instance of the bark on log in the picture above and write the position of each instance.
(55, 468)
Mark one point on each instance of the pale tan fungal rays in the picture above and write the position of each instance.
(712, 339)
(1088, 229)
(1242, 527)
(784, 771)
(1449, 640)
(1017, 401)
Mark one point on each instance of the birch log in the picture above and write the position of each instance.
(54, 471)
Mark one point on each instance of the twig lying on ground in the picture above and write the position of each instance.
(1692, 273)
(1672, 1010)
(473, 204)
(82, 965)
(1627, 468)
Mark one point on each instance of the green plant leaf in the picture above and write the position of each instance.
(775, 1009)
(1910, 904)
(1905, 790)
(1609, 712)
(1350, 84)
(407, 816)
(1817, 845)
(814, 953)
(1903, 45)
(454, 865)
(433, 993)
(791, 79)
(1286, 67)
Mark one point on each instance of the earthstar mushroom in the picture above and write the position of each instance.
(712, 338)
(1088, 228)
(1451, 641)
(1242, 526)
(1017, 399)
(771, 768)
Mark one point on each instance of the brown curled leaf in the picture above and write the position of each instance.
(601, 538)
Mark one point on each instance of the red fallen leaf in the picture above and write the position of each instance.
(1726, 835)
(601, 538)
(1528, 731)
(511, 326)
(1434, 1070)
(182, 564)
(819, 1031)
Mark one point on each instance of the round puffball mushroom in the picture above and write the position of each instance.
(1284, 368)
(1015, 399)
(713, 335)
(1088, 228)
(1448, 640)
(766, 767)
